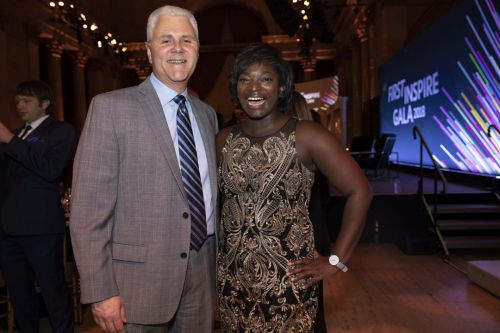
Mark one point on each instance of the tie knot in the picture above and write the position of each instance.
(179, 100)
(24, 132)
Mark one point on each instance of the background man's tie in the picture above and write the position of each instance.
(25, 131)
(191, 174)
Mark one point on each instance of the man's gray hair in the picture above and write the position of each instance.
(169, 11)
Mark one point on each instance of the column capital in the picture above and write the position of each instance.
(55, 46)
(361, 24)
(141, 66)
(80, 58)
(308, 63)
(142, 72)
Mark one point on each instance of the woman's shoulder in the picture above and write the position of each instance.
(312, 138)
(309, 128)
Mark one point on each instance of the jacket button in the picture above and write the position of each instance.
(183, 255)
(185, 215)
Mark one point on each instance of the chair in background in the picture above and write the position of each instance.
(378, 161)
(73, 280)
(6, 305)
(362, 144)
(70, 269)
(362, 147)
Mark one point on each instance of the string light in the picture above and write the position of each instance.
(304, 34)
(67, 14)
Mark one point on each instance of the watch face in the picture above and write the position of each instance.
(334, 260)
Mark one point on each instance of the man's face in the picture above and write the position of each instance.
(30, 108)
(173, 51)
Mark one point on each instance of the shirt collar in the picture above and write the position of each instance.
(37, 122)
(165, 94)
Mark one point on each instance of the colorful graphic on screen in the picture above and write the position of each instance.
(447, 83)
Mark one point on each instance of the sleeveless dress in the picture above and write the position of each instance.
(264, 225)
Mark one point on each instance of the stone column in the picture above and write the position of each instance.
(357, 94)
(95, 77)
(56, 48)
(361, 29)
(372, 63)
(79, 90)
(33, 52)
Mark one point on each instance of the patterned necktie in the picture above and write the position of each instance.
(191, 174)
(25, 131)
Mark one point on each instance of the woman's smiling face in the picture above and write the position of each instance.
(258, 90)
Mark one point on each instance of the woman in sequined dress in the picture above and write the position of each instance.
(268, 269)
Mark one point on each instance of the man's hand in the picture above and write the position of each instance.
(311, 270)
(5, 134)
(110, 314)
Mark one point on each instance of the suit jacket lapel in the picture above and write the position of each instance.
(153, 113)
(46, 123)
(12, 165)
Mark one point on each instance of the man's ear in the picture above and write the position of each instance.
(148, 51)
(45, 104)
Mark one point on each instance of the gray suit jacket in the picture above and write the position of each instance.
(127, 225)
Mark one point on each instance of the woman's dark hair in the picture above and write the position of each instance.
(263, 53)
(38, 89)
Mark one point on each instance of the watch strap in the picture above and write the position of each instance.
(342, 267)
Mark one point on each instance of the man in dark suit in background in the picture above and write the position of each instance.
(32, 218)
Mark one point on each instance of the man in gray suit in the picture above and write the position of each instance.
(131, 213)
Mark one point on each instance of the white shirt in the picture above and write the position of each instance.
(166, 95)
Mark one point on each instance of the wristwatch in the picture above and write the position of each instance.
(335, 261)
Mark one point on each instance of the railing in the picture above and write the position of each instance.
(495, 187)
(437, 173)
(492, 127)
(437, 169)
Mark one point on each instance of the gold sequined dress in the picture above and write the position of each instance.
(264, 225)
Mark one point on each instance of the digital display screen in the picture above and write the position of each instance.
(447, 83)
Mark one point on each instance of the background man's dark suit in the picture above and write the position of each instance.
(32, 219)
